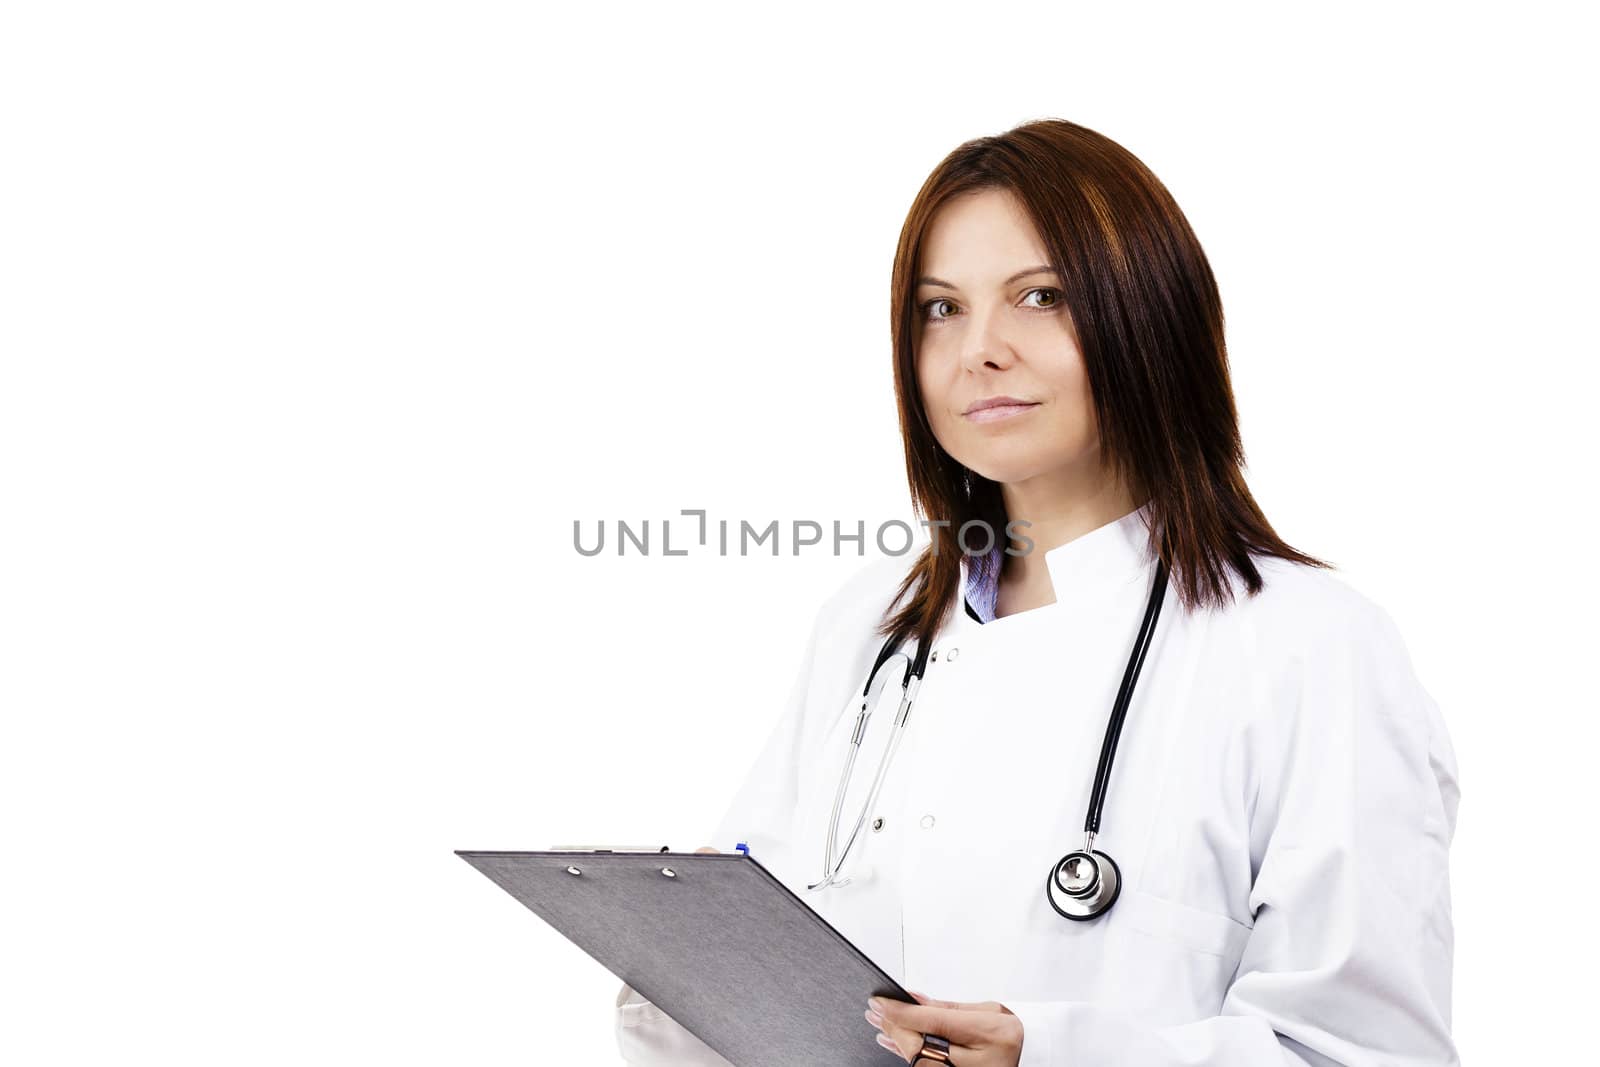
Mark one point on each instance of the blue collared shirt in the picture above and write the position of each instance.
(983, 583)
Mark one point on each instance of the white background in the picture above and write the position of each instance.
(323, 323)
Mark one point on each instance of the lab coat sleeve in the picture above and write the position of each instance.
(760, 815)
(1351, 805)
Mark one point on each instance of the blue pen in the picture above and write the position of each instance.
(742, 847)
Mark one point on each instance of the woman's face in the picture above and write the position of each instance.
(991, 322)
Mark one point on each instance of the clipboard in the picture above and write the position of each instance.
(716, 941)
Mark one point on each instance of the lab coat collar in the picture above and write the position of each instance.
(1106, 559)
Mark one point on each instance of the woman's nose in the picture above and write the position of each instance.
(984, 344)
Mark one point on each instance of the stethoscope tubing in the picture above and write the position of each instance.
(911, 680)
(1119, 710)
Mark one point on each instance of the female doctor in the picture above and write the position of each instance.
(1271, 791)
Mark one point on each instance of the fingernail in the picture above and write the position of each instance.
(875, 1004)
(874, 1018)
(890, 1045)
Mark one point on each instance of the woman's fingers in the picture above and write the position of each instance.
(987, 1005)
(923, 998)
(900, 1040)
(973, 1025)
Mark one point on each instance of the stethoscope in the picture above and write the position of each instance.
(1081, 885)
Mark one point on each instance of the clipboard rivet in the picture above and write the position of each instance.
(669, 872)
(877, 824)
(573, 870)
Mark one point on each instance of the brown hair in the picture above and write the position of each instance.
(1149, 323)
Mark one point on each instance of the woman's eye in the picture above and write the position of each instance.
(1051, 301)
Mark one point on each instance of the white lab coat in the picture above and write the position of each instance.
(1281, 807)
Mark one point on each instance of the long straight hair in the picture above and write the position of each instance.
(1149, 323)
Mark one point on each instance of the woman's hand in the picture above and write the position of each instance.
(980, 1035)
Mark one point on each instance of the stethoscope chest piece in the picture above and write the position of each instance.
(1083, 884)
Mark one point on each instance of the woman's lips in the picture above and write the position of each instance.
(1001, 411)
